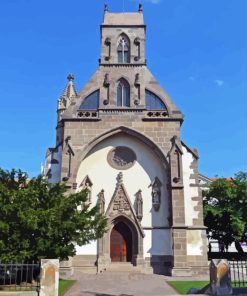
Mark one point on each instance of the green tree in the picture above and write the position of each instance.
(225, 209)
(39, 220)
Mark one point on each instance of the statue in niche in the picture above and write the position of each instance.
(156, 193)
(139, 205)
(87, 185)
(101, 202)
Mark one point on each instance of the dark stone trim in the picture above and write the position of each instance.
(176, 187)
(177, 112)
(194, 153)
(123, 109)
(162, 119)
(198, 227)
(161, 264)
(156, 227)
(81, 119)
(179, 227)
(123, 26)
(54, 149)
(122, 65)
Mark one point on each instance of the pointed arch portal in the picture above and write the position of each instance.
(121, 243)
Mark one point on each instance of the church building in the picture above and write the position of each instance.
(119, 137)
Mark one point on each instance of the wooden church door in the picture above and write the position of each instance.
(121, 243)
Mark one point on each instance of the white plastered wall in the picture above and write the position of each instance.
(194, 237)
(55, 167)
(189, 191)
(157, 242)
(139, 176)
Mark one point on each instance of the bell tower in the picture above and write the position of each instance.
(123, 38)
(123, 59)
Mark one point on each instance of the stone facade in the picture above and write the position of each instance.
(86, 133)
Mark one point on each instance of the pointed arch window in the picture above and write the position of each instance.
(91, 102)
(123, 93)
(123, 49)
(153, 102)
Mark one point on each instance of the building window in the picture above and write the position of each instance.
(153, 102)
(91, 102)
(123, 93)
(123, 49)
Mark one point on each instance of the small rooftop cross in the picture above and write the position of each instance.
(70, 77)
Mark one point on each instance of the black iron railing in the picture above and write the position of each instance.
(238, 273)
(230, 256)
(20, 276)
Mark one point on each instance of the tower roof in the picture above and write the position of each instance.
(123, 19)
(69, 90)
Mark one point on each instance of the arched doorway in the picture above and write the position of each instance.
(121, 243)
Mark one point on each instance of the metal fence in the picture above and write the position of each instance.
(238, 273)
(20, 277)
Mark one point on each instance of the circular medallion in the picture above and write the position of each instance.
(121, 158)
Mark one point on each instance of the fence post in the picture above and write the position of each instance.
(220, 277)
(49, 277)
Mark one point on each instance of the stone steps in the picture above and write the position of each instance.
(84, 261)
(84, 270)
(120, 267)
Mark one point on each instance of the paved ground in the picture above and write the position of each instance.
(121, 284)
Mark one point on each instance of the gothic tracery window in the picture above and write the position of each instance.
(153, 102)
(123, 49)
(91, 102)
(123, 93)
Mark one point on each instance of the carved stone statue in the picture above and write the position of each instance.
(139, 205)
(101, 201)
(156, 193)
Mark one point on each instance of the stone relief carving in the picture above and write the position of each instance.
(121, 204)
(156, 193)
(138, 205)
(121, 158)
(101, 202)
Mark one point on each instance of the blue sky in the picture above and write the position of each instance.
(196, 49)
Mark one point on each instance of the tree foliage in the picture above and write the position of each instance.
(39, 220)
(225, 209)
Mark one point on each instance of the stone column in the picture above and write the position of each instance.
(220, 277)
(49, 277)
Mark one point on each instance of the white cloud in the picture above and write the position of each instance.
(149, 1)
(219, 82)
(154, 1)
